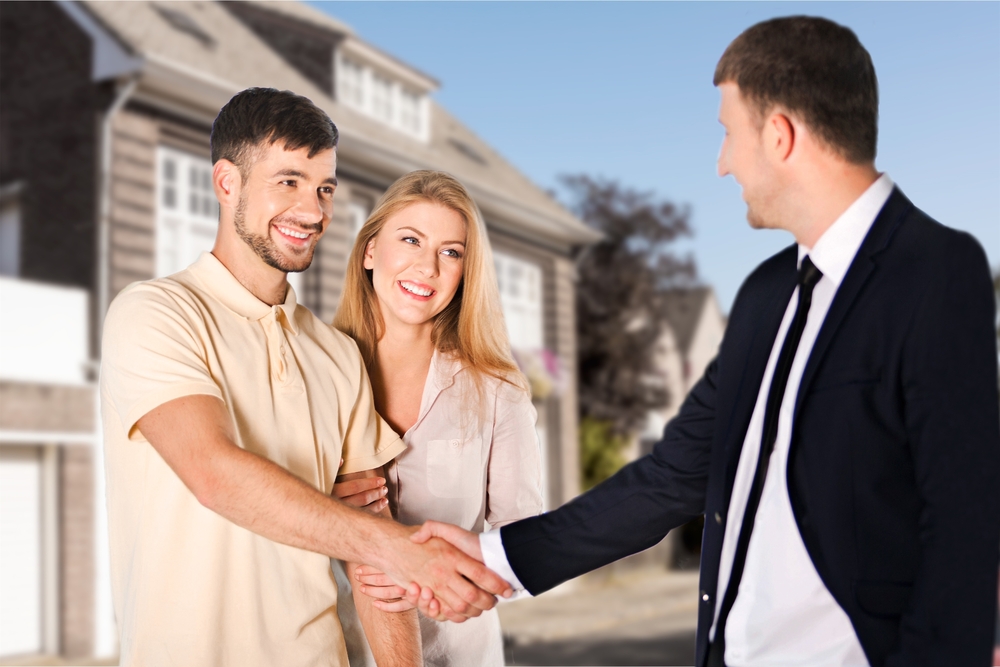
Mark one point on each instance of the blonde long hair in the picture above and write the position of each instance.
(471, 326)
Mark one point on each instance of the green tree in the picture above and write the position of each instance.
(621, 310)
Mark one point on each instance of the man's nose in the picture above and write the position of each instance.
(309, 208)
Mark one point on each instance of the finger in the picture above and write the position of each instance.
(377, 579)
(376, 506)
(466, 542)
(412, 593)
(355, 486)
(392, 605)
(383, 592)
(484, 578)
(423, 534)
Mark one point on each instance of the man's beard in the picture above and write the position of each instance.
(265, 247)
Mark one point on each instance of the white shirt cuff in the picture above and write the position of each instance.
(495, 558)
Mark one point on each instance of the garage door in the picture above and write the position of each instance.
(20, 550)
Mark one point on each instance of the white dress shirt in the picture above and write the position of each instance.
(783, 615)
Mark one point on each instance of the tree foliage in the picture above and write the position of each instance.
(600, 452)
(620, 298)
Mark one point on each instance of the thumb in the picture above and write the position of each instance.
(428, 530)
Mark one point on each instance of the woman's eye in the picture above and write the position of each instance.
(453, 253)
(412, 240)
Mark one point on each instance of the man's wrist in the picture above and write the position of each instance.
(495, 558)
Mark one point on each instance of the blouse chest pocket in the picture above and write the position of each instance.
(454, 468)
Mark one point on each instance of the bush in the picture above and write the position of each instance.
(600, 451)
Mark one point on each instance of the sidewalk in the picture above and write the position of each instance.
(646, 617)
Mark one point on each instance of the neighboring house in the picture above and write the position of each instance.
(690, 340)
(105, 113)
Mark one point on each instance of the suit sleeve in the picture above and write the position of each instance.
(949, 383)
(631, 511)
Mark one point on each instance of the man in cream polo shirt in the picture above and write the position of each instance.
(227, 409)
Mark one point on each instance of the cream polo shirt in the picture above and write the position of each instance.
(191, 588)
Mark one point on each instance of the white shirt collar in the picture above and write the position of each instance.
(836, 248)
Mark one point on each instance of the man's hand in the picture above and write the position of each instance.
(463, 587)
(423, 597)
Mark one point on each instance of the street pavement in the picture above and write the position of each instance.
(646, 617)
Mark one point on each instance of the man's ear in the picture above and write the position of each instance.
(227, 181)
(779, 136)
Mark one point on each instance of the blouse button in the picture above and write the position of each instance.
(454, 443)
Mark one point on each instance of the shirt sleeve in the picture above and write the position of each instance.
(495, 558)
(151, 354)
(369, 442)
(514, 477)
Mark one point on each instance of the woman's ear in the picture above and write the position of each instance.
(369, 254)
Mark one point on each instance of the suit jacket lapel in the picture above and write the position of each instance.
(765, 330)
(861, 269)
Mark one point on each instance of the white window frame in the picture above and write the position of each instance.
(182, 234)
(356, 87)
(357, 214)
(522, 298)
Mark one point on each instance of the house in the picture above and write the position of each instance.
(105, 113)
(690, 340)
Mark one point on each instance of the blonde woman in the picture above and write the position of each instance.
(421, 300)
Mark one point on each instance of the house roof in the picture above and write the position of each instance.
(199, 54)
(684, 309)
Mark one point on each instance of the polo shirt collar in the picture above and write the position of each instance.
(218, 281)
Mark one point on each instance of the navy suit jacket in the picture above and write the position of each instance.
(894, 466)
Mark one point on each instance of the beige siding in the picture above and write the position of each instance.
(132, 222)
(560, 414)
(565, 346)
(49, 408)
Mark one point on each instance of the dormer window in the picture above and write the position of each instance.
(378, 86)
(350, 88)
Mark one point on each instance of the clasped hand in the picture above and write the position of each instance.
(476, 588)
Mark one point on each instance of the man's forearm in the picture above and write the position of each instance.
(195, 436)
(256, 493)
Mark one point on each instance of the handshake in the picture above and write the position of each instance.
(436, 568)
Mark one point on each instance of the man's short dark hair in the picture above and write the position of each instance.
(258, 116)
(812, 68)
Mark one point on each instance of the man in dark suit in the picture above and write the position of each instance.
(844, 446)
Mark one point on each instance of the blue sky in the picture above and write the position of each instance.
(624, 90)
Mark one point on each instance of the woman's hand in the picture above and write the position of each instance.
(368, 493)
(373, 583)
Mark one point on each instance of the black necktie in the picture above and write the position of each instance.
(809, 275)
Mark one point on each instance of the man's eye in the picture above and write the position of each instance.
(288, 182)
(326, 191)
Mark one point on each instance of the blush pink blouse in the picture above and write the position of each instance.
(476, 469)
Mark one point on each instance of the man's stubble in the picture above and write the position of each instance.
(265, 248)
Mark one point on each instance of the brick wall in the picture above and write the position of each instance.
(48, 111)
